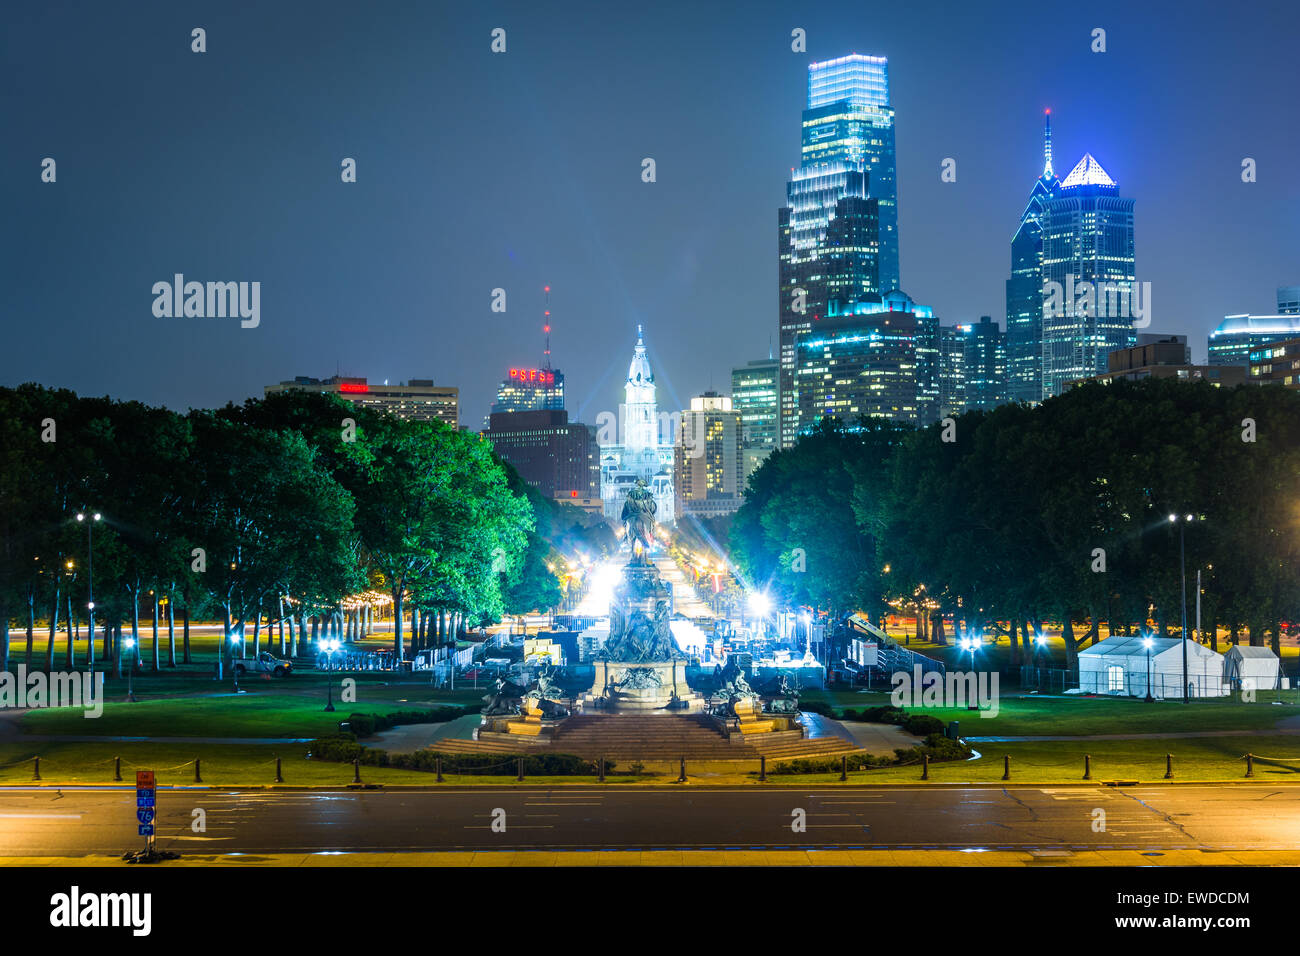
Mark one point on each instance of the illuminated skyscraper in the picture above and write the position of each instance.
(838, 232)
(1024, 345)
(984, 365)
(530, 390)
(1087, 231)
(754, 396)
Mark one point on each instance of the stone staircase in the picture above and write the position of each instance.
(653, 737)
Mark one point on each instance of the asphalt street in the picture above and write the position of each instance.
(76, 822)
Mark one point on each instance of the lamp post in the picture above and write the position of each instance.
(329, 647)
(234, 668)
(1146, 642)
(971, 644)
(1182, 523)
(129, 644)
(90, 586)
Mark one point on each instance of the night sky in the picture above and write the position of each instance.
(479, 170)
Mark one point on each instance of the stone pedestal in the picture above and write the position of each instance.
(529, 724)
(639, 700)
(747, 715)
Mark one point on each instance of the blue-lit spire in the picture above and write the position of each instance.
(1048, 172)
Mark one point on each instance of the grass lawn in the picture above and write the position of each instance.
(1041, 715)
(267, 710)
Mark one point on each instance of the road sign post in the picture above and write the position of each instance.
(146, 806)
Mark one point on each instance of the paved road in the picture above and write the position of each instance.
(42, 822)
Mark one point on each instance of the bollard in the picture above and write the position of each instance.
(925, 766)
(1087, 766)
(844, 767)
(1250, 765)
(681, 776)
(1169, 766)
(1006, 767)
(117, 768)
(521, 769)
(36, 769)
(602, 769)
(356, 769)
(437, 762)
(279, 777)
(198, 778)
(762, 768)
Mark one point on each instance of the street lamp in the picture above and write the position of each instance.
(329, 647)
(1146, 642)
(972, 644)
(90, 587)
(129, 644)
(1182, 523)
(234, 668)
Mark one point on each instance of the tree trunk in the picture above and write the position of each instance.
(937, 633)
(280, 625)
(71, 657)
(398, 650)
(1256, 634)
(157, 662)
(1071, 645)
(315, 628)
(117, 650)
(185, 635)
(135, 627)
(54, 623)
(31, 626)
(257, 630)
(171, 632)
(4, 639)
(1277, 639)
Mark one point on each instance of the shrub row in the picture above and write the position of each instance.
(937, 747)
(363, 725)
(343, 748)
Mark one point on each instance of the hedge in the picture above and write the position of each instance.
(343, 748)
(363, 725)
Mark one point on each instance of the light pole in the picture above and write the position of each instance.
(234, 668)
(1146, 642)
(1182, 590)
(129, 644)
(329, 647)
(90, 586)
(971, 644)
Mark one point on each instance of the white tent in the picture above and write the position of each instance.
(1119, 666)
(1251, 668)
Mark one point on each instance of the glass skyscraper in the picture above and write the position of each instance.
(1087, 238)
(838, 234)
(1024, 345)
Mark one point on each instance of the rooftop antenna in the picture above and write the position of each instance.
(546, 327)
(1047, 146)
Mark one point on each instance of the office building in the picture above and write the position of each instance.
(984, 369)
(1237, 336)
(754, 396)
(557, 457)
(873, 359)
(1164, 358)
(708, 474)
(1090, 287)
(529, 390)
(1024, 333)
(838, 231)
(1278, 363)
(416, 400)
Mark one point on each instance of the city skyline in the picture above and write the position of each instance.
(391, 277)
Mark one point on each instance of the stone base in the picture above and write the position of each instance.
(643, 700)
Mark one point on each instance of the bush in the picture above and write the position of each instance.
(363, 725)
(817, 707)
(922, 725)
(343, 748)
(884, 715)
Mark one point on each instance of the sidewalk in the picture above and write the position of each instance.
(506, 858)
